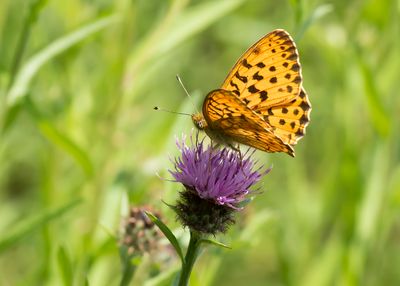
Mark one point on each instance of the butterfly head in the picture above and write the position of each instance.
(199, 121)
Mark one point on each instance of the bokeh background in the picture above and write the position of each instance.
(80, 141)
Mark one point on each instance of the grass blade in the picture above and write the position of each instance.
(168, 233)
(193, 21)
(186, 24)
(65, 265)
(59, 139)
(379, 116)
(216, 243)
(30, 225)
(27, 72)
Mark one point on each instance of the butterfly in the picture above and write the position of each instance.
(261, 103)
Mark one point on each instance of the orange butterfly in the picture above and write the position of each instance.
(261, 103)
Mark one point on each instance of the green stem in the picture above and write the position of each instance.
(30, 19)
(190, 258)
(127, 275)
(128, 268)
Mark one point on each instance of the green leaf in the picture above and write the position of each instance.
(168, 234)
(9, 117)
(129, 268)
(317, 14)
(166, 277)
(379, 116)
(24, 35)
(216, 243)
(25, 75)
(49, 131)
(194, 20)
(34, 223)
(170, 34)
(65, 266)
(249, 233)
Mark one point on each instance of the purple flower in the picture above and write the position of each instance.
(219, 175)
(217, 182)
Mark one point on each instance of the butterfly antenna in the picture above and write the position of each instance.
(170, 111)
(187, 93)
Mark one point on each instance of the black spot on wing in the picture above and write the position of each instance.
(246, 64)
(241, 78)
(303, 119)
(297, 80)
(295, 67)
(263, 95)
(257, 76)
(291, 49)
(281, 34)
(288, 43)
(231, 83)
(292, 57)
(236, 92)
(303, 105)
(253, 89)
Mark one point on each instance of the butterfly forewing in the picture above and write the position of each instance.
(268, 73)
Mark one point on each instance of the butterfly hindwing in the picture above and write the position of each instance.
(229, 120)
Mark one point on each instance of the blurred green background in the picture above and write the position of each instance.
(80, 141)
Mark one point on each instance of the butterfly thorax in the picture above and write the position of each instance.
(216, 136)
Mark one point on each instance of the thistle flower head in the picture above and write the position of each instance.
(216, 181)
(139, 234)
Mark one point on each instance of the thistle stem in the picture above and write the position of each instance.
(127, 275)
(190, 258)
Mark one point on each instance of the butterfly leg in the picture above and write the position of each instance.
(237, 149)
(215, 145)
(233, 147)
